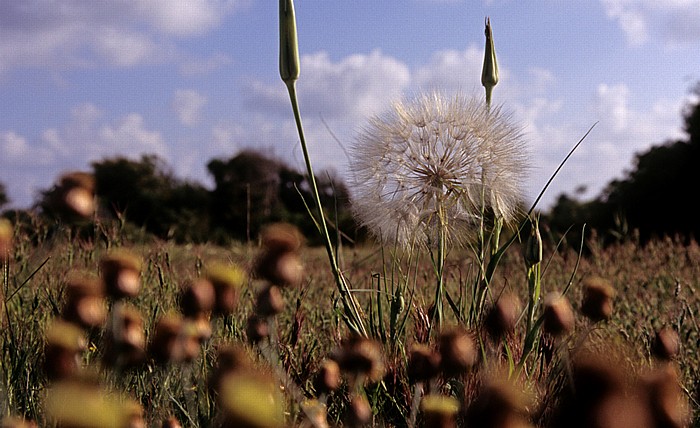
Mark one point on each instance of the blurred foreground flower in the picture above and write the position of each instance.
(434, 163)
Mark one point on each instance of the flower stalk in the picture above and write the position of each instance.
(289, 72)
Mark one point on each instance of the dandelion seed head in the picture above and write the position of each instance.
(436, 161)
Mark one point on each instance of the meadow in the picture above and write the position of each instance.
(655, 286)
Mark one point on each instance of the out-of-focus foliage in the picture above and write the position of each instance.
(3, 195)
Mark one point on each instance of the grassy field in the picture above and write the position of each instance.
(656, 286)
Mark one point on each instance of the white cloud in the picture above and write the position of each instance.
(677, 21)
(188, 105)
(82, 32)
(199, 67)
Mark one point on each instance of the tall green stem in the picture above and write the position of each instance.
(354, 319)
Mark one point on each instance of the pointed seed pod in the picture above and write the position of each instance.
(289, 47)
(533, 246)
(489, 72)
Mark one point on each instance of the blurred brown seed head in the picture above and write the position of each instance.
(77, 404)
(227, 281)
(598, 297)
(359, 412)
(328, 377)
(316, 413)
(360, 356)
(85, 305)
(439, 411)
(664, 398)
(171, 422)
(191, 343)
(198, 298)
(280, 268)
(269, 301)
(501, 404)
(666, 344)
(502, 316)
(281, 237)
(75, 197)
(458, 351)
(6, 233)
(126, 341)
(558, 315)
(250, 400)
(423, 363)
(64, 344)
(17, 422)
(121, 272)
(166, 343)
(230, 359)
(202, 327)
(134, 414)
(257, 329)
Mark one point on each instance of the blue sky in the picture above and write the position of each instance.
(81, 80)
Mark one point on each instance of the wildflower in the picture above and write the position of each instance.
(436, 164)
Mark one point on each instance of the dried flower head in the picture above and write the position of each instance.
(85, 305)
(328, 377)
(502, 316)
(436, 160)
(121, 272)
(598, 296)
(126, 340)
(423, 363)
(359, 412)
(458, 351)
(269, 301)
(75, 195)
(361, 356)
(664, 398)
(282, 237)
(666, 344)
(439, 411)
(197, 298)
(64, 343)
(227, 281)
(167, 341)
(558, 314)
(500, 403)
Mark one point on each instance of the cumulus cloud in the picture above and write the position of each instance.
(677, 21)
(82, 32)
(188, 105)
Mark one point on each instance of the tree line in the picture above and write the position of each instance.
(656, 198)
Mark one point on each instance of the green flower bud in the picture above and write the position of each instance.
(533, 246)
(289, 48)
(489, 73)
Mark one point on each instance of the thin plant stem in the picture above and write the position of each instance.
(355, 322)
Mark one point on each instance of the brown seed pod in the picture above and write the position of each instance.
(499, 404)
(597, 302)
(440, 411)
(666, 344)
(281, 237)
(502, 316)
(558, 315)
(257, 329)
(198, 298)
(269, 302)
(126, 341)
(250, 399)
(359, 412)
(423, 363)
(16, 422)
(171, 422)
(227, 281)
(361, 356)
(64, 344)
(121, 272)
(664, 398)
(328, 377)
(230, 359)
(75, 196)
(458, 352)
(85, 305)
(283, 269)
(166, 344)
